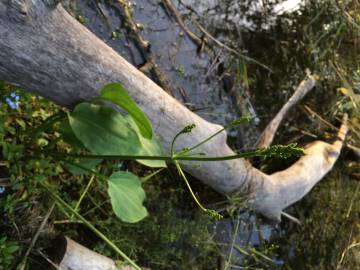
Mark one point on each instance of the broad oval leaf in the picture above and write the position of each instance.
(127, 196)
(103, 131)
(150, 147)
(115, 93)
(69, 136)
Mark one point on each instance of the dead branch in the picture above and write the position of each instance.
(173, 11)
(354, 149)
(78, 257)
(35, 238)
(268, 134)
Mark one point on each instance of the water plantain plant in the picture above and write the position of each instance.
(113, 127)
(108, 133)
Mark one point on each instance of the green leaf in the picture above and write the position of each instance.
(84, 164)
(127, 196)
(151, 147)
(103, 131)
(115, 93)
(68, 135)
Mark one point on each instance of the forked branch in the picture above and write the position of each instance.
(304, 87)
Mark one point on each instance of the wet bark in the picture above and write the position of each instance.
(46, 51)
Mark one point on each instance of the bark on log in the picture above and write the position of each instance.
(78, 257)
(268, 134)
(46, 51)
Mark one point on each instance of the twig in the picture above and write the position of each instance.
(233, 51)
(189, 8)
(214, 64)
(77, 206)
(290, 217)
(47, 259)
(201, 42)
(312, 112)
(36, 236)
(99, 6)
(228, 262)
(144, 45)
(352, 200)
(67, 221)
(5, 182)
(170, 7)
(304, 132)
(130, 23)
(345, 251)
(356, 150)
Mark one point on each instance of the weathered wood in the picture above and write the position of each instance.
(78, 257)
(268, 134)
(290, 185)
(46, 51)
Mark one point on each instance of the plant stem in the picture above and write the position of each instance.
(228, 262)
(254, 153)
(231, 125)
(83, 194)
(182, 174)
(147, 177)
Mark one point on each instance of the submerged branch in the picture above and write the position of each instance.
(170, 7)
(144, 46)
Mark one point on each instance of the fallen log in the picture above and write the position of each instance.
(78, 257)
(46, 51)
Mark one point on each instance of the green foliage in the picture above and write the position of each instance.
(330, 225)
(115, 93)
(82, 166)
(20, 114)
(173, 236)
(127, 196)
(150, 147)
(282, 151)
(7, 253)
(103, 131)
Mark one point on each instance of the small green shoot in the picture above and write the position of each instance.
(211, 213)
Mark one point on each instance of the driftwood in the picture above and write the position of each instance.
(268, 134)
(46, 51)
(78, 257)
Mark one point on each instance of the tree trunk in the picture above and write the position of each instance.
(46, 51)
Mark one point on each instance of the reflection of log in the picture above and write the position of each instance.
(45, 50)
(78, 257)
